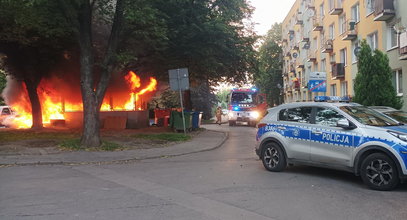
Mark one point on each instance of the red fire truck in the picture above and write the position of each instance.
(246, 105)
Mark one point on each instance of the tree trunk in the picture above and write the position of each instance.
(35, 104)
(93, 97)
(91, 134)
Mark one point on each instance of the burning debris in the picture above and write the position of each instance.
(60, 95)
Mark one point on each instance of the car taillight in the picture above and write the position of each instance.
(260, 125)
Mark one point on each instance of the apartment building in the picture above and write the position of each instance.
(323, 36)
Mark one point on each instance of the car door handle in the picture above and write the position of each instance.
(281, 128)
(317, 132)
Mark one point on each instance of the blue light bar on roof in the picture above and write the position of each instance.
(331, 98)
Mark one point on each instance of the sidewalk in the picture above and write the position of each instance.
(207, 140)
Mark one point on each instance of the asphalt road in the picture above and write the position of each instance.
(226, 183)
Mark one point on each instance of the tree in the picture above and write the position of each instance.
(210, 38)
(81, 15)
(373, 85)
(33, 37)
(269, 74)
(2, 84)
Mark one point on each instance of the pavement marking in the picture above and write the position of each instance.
(209, 207)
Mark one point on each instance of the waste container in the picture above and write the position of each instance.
(160, 116)
(176, 120)
(196, 119)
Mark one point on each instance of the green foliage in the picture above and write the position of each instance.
(164, 136)
(268, 76)
(18, 135)
(373, 85)
(3, 82)
(75, 145)
(222, 97)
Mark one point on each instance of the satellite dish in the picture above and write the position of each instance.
(306, 46)
(295, 55)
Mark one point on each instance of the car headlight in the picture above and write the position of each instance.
(400, 136)
(255, 114)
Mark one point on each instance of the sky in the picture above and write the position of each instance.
(268, 12)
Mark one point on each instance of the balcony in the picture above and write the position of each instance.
(327, 46)
(317, 24)
(312, 57)
(338, 70)
(403, 46)
(335, 7)
(299, 21)
(350, 30)
(305, 39)
(384, 10)
(300, 66)
(310, 4)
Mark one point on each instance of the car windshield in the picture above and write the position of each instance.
(398, 115)
(242, 98)
(368, 116)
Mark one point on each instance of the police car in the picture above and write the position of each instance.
(338, 135)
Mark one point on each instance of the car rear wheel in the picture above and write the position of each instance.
(379, 172)
(273, 157)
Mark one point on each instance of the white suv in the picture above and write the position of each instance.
(345, 136)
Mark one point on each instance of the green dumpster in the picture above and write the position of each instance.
(176, 121)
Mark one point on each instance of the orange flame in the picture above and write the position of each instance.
(53, 106)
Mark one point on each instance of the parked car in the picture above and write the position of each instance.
(398, 115)
(5, 113)
(337, 135)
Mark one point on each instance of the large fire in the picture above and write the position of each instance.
(54, 104)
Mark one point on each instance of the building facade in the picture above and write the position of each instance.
(324, 36)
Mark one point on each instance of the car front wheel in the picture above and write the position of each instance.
(273, 157)
(379, 172)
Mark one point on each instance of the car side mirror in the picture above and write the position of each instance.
(344, 123)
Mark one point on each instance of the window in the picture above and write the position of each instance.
(333, 90)
(323, 65)
(332, 58)
(392, 41)
(300, 114)
(370, 4)
(315, 67)
(331, 4)
(355, 50)
(332, 31)
(398, 82)
(304, 96)
(372, 40)
(343, 54)
(342, 24)
(355, 13)
(344, 88)
(6, 111)
(327, 117)
(321, 10)
(322, 40)
(314, 45)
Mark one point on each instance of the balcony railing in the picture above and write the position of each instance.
(327, 46)
(312, 56)
(350, 30)
(317, 23)
(335, 7)
(384, 10)
(403, 46)
(338, 70)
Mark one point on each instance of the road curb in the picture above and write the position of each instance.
(101, 162)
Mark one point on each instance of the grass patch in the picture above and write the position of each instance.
(34, 135)
(210, 121)
(164, 136)
(75, 145)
